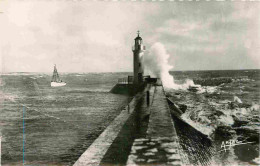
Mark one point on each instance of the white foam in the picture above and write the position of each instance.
(204, 128)
(188, 83)
(226, 120)
(236, 99)
(207, 89)
(254, 107)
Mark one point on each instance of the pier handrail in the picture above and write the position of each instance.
(126, 80)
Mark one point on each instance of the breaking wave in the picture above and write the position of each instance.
(157, 65)
(222, 113)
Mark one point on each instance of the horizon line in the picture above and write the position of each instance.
(129, 71)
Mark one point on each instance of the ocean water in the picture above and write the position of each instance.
(60, 123)
(225, 107)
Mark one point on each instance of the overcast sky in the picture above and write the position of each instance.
(82, 36)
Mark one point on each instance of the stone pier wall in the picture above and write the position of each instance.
(153, 143)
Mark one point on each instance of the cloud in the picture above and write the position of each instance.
(103, 38)
(174, 27)
(82, 36)
(204, 32)
(97, 36)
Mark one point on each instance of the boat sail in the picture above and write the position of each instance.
(56, 81)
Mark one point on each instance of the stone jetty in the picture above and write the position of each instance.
(148, 132)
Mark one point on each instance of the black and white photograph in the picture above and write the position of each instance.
(129, 82)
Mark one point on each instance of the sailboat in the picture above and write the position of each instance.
(56, 81)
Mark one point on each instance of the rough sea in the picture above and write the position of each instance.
(41, 125)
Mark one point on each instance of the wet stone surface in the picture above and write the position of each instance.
(154, 151)
(160, 121)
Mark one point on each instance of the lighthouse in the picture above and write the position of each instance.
(133, 84)
(138, 53)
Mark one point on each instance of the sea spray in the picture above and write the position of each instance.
(157, 65)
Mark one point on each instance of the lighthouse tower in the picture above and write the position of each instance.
(133, 84)
(138, 51)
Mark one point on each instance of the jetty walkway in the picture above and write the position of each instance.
(160, 146)
(142, 134)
